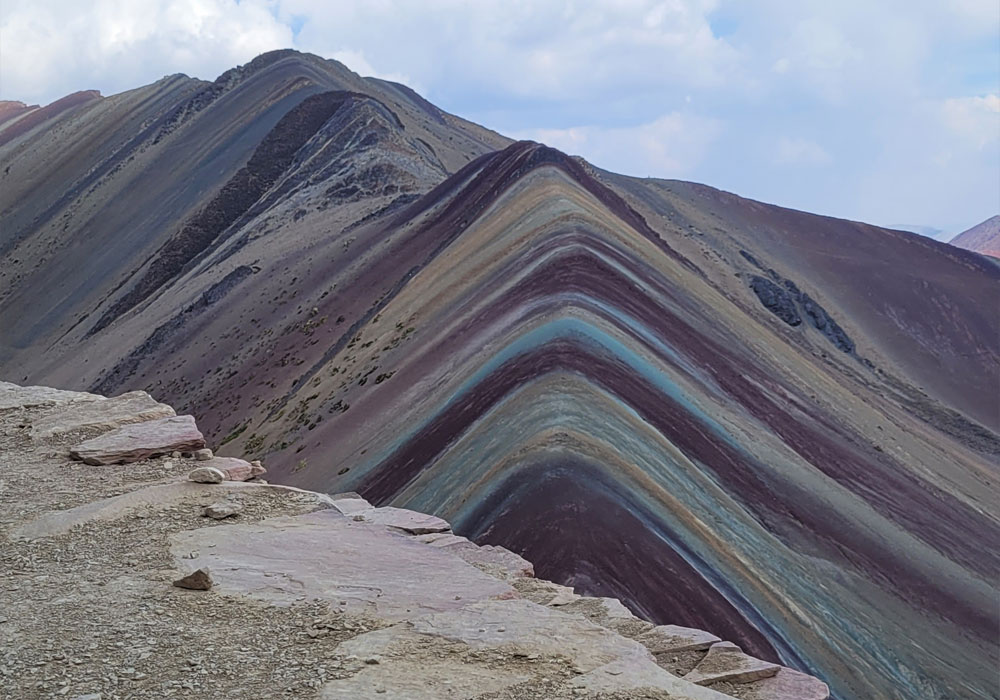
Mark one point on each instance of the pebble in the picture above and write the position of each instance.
(222, 510)
(206, 475)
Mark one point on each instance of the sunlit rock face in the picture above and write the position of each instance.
(573, 364)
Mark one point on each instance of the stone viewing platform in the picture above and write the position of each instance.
(137, 564)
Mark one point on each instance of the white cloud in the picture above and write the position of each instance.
(538, 50)
(821, 54)
(49, 49)
(976, 120)
(799, 151)
(670, 146)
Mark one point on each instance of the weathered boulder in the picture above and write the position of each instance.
(199, 580)
(132, 443)
(222, 510)
(235, 469)
(726, 662)
(106, 414)
(203, 454)
(219, 469)
(789, 684)
(206, 475)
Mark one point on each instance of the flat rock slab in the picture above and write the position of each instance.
(409, 521)
(725, 662)
(789, 684)
(443, 539)
(666, 638)
(491, 556)
(533, 629)
(331, 556)
(498, 558)
(58, 522)
(634, 673)
(132, 443)
(350, 503)
(107, 414)
(607, 660)
(16, 396)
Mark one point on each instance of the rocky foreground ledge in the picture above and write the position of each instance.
(124, 578)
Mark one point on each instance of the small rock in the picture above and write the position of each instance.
(373, 660)
(221, 510)
(233, 469)
(563, 597)
(197, 581)
(207, 475)
(203, 455)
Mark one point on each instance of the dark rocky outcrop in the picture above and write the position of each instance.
(785, 303)
(776, 300)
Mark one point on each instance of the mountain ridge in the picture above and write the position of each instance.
(983, 238)
(524, 344)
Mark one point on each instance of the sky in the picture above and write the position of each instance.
(885, 111)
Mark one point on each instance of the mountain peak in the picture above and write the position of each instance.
(983, 238)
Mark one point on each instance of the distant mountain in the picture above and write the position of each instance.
(927, 231)
(732, 416)
(982, 238)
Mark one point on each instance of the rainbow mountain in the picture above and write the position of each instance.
(781, 427)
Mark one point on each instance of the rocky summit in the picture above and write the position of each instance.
(165, 586)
